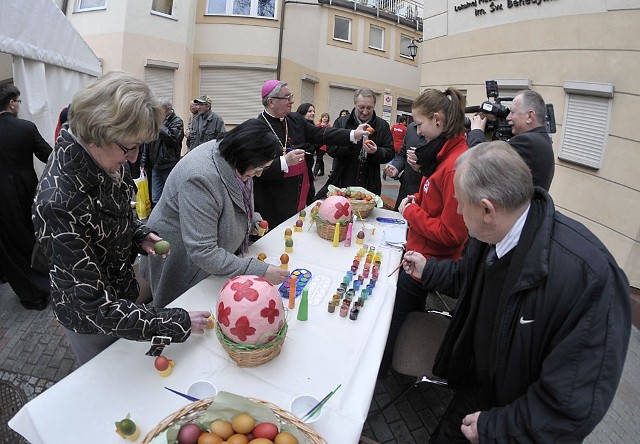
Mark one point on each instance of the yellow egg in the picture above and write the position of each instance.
(238, 438)
(222, 428)
(261, 441)
(285, 438)
(243, 423)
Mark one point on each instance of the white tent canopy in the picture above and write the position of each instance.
(50, 59)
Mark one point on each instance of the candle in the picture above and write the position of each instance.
(303, 309)
(336, 235)
(292, 292)
(347, 241)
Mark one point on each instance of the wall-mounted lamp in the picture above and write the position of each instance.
(413, 48)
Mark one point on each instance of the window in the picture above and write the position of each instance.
(252, 8)
(376, 37)
(342, 29)
(308, 90)
(405, 41)
(160, 81)
(586, 123)
(90, 5)
(162, 6)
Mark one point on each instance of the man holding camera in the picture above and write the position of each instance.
(530, 137)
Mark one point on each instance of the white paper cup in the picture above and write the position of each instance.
(301, 405)
(368, 229)
(202, 389)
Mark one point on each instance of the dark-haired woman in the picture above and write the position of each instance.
(206, 213)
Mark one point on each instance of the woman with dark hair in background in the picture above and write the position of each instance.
(435, 227)
(308, 111)
(318, 169)
(84, 223)
(206, 213)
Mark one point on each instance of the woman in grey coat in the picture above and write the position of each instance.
(206, 213)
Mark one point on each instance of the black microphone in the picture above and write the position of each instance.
(473, 109)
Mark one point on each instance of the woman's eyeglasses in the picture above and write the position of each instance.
(126, 150)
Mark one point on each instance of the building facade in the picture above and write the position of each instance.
(324, 49)
(582, 57)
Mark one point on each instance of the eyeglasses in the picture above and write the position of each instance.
(126, 150)
(261, 168)
(288, 97)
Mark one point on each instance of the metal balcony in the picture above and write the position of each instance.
(404, 12)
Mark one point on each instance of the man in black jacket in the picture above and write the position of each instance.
(530, 138)
(401, 168)
(164, 152)
(19, 142)
(537, 343)
(358, 164)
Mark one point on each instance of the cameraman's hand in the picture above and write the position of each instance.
(478, 121)
(390, 170)
(412, 159)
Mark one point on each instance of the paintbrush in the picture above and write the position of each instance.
(184, 395)
(319, 405)
(397, 268)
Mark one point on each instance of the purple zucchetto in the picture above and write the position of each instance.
(268, 86)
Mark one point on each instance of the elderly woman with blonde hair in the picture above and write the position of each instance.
(85, 225)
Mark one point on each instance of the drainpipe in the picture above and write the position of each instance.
(64, 6)
(280, 41)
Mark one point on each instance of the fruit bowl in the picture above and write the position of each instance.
(362, 200)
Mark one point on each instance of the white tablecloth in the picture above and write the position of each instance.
(317, 355)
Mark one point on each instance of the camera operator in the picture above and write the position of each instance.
(530, 137)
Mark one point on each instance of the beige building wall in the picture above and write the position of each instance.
(550, 43)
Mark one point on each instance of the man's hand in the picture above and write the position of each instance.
(370, 146)
(390, 170)
(361, 131)
(413, 263)
(412, 159)
(294, 157)
(469, 427)
(478, 121)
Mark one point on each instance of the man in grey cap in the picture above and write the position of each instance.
(207, 125)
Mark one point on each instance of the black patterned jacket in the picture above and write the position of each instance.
(84, 223)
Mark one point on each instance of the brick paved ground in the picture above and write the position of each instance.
(34, 355)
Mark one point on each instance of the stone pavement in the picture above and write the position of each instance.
(34, 355)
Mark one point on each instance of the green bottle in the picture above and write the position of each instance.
(303, 309)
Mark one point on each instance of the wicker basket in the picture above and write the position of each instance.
(362, 208)
(193, 411)
(245, 355)
(326, 230)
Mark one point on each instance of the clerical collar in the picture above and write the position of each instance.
(274, 117)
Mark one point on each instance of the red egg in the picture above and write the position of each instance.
(189, 434)
(299, 223)
(161, 363)
(265, 430)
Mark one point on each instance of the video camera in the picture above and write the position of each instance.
(498, 125)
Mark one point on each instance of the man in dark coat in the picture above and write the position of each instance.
(286, 186)
(20, 141)
(164, 152)
(401, 169)
(358, 164)
(537, 343)
(207, 125)
(530, 138)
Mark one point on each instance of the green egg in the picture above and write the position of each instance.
(161, 247)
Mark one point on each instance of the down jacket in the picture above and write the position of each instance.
(84, 223)
(561, 342)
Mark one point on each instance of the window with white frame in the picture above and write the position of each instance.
(164, 7)
(376, 37)
(587, 117)
(251, 8)
(342, 29)
(90, 5)
(405, 41)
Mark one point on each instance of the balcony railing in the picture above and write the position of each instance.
(405, 12)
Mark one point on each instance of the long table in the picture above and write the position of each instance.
(317, 355)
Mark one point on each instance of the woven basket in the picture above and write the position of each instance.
(245, 355)
(363, 207)
(193, 411)
(326, 230)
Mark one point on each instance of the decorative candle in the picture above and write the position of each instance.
(292, 292)
(347, 241)
(303, 309)
(336, 235)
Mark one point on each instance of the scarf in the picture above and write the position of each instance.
(246, 188)
(427, 155)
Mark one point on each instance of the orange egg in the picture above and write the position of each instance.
(222, 428)
(285, 438)
(238, 438)
(243, 423)
(209, 438)
(261, 441)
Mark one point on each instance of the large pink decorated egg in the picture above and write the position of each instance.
(335, 209)
(250, 310)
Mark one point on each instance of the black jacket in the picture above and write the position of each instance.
(408, 177)
(164, 152)
(348, 167)
(554, 377)
(535, 149)
(86, 228)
